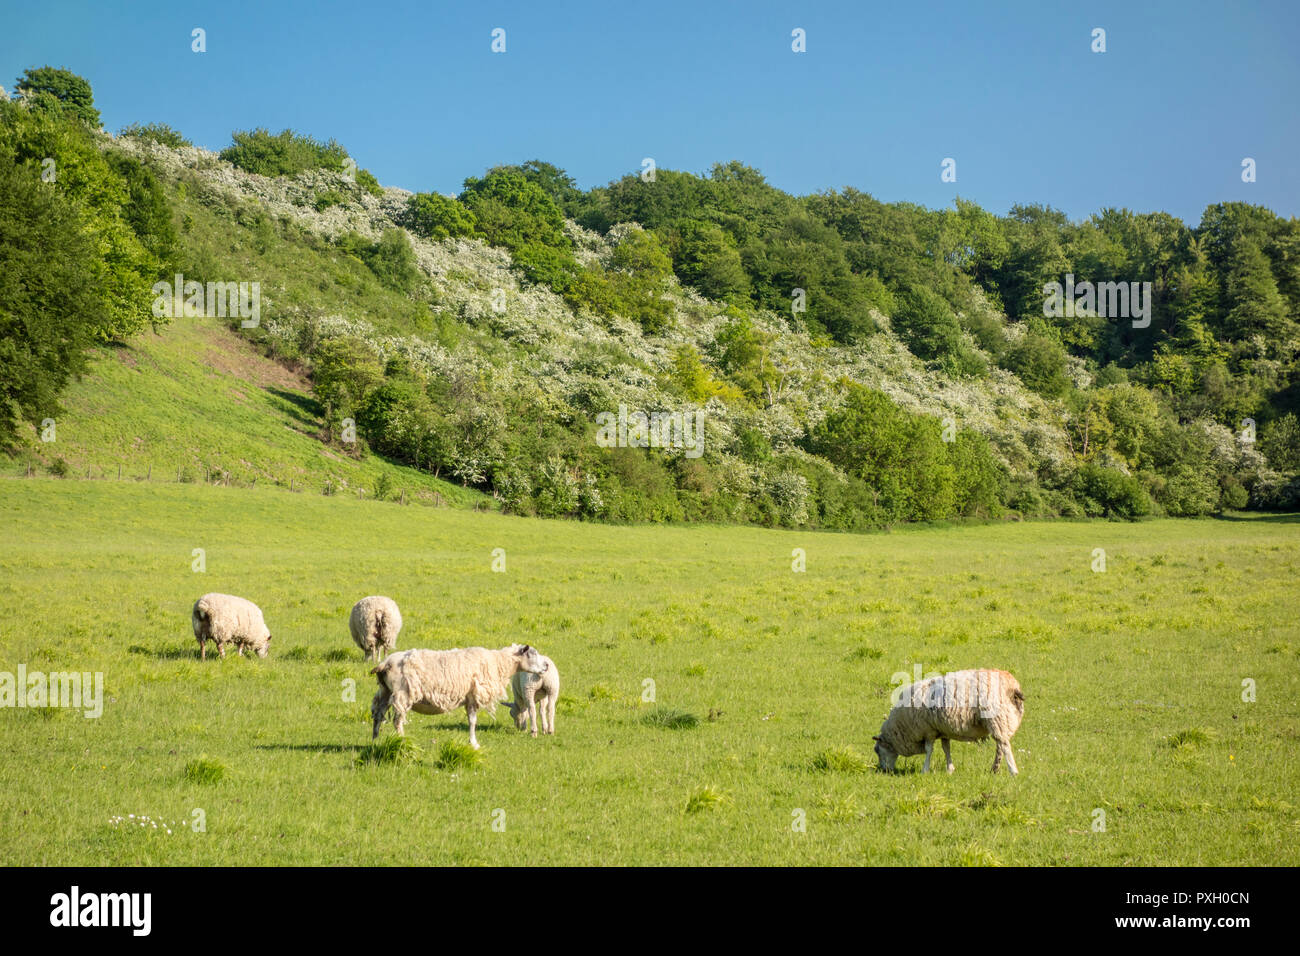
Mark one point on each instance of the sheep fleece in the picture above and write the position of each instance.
(437, 682)
(963, 705)
(375, 623)
(226, 619)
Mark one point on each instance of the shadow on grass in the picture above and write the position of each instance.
(1255, 516)
(305, 409)
(314, 748)
(166, 653)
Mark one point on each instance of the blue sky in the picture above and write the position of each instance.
(1011, 91)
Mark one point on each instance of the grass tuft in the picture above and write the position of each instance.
(391, 750)
(669, 719)
(840, 760)
(204, 771)
(454, 755)
(706, 798)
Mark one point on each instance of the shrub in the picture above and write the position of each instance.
(435, 216)
(1104, 491)
(328, 198)
(284, 154)
(159, 133)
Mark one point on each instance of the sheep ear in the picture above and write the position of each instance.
(875, 738)
(524, 649)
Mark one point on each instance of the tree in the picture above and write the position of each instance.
(706, 257)
(51, 297)
(344, 373)
(513, 211)
(436, 216)
(57, 90)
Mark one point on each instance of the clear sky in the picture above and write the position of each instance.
(884, 93)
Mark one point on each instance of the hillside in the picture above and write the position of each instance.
(195, 402)
(479, 342)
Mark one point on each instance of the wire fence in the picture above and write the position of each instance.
(381, 490)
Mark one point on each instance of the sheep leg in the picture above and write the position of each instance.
(1011, 761)
(929, 748)
(472, 713)
(203, 650)
(222, 649)
(379, 710)
(947, 753)
(550, 714)
(532, 713)
(997, 756)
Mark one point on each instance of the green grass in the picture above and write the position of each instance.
(195, 403)
(1133, 681)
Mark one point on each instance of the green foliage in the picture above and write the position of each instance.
(59, 92)
(367, 181)
(391, 259)
(1038, 359)
(1279, 440)
(1106, 492)
(436, 216)
(52, 295)
(707, 257)
(112, 207)
(910, 473)
(328, 198)
(159, 133)
(513, 211)
(926, 323)
(283, 154)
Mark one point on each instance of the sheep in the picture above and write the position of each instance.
(226, 619)
(375, 623)
(963, 705)
(436, 682)
(527, 688)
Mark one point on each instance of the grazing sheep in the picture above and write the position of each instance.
(527, 689)
(226, 619)
(963, 705)
(435, 682)
(375, 623)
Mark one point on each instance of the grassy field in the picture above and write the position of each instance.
(196, 400)
(768, 685)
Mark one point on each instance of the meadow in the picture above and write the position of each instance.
(1140, 745)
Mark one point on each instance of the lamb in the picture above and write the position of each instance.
(963, 705)
(375, 623)
(436, 682)
(226, 619)
(527, 688)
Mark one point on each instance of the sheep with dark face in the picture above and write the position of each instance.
(436, 682)
(226, 619)
(375, 624)
(963, 705)
(535, 695)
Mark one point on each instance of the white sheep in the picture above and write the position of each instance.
(375, 623)
(527, 689)
(963, 705)
(436, 682)
(226, 619)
